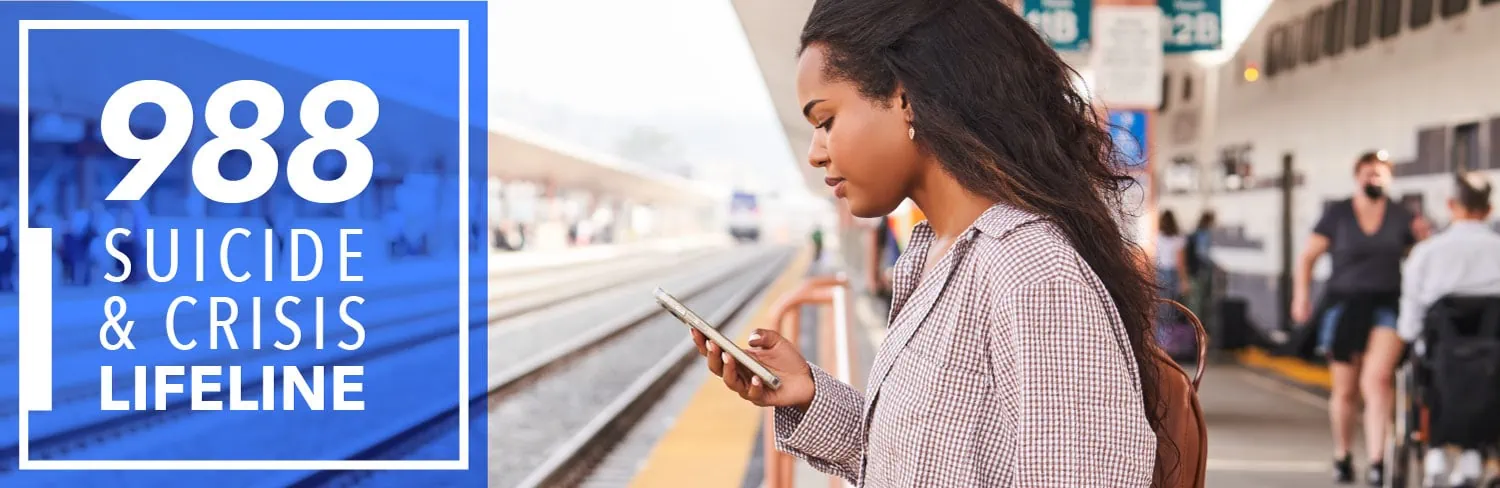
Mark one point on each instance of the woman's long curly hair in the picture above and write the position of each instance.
(1001, 112)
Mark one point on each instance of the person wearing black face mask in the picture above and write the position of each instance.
(1366, 236)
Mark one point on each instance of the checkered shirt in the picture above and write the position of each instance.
(1006, 366)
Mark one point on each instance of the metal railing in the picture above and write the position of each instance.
(830, 294)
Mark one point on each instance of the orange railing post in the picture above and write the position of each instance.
(833, 355)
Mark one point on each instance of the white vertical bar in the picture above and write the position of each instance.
(34, 334)
(841, 332)
(463, 239)
(841, 338)
(23, 151)
(36, 320)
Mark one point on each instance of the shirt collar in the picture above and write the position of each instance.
(995, 222)
(1001, 218)
(1468, 226)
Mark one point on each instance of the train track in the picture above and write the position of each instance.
(586, 449)
(104, 428)
(554, 414)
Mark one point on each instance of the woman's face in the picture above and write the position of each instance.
(862, 145)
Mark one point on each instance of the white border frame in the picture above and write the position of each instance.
(35, 331)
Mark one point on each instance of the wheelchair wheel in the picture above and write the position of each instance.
(1407, 447)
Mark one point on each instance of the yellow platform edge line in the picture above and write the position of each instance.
(1293, 369)
(710, 444)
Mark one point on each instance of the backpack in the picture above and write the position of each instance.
(1182, 442)
(1465, 369)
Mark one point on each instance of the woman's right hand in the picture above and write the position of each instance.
(1301, 307)
(778, 355)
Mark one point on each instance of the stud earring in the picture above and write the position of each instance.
(911, 133)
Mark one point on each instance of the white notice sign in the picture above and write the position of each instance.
(1127, 60)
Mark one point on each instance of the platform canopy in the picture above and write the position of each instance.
(521, 153)
(772, 28)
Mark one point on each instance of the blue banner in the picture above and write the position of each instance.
(1064, 23)
(1191, 25)
(250, 239)
(1128, 129)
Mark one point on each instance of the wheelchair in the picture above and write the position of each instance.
(1407, 448)
(1413, 424)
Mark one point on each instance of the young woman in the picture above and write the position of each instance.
(1367, 236)
(1020, 351)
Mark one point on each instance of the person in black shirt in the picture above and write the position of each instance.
(1366, 236)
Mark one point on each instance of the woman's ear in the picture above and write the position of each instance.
(905, 105)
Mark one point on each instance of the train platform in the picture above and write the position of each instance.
(592, 384)
(1267, 416)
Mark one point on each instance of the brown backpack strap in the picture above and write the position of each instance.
(1202, 339)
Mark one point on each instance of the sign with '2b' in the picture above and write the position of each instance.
(1191, 25)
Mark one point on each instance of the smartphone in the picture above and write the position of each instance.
(687, 316)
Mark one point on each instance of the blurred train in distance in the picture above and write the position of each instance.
(744, 217)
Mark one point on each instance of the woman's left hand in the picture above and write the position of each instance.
(778, 355)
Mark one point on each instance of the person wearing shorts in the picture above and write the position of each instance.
(1366, 236)
(1385, 317)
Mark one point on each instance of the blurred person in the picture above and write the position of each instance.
(101, 220)
(1366, 236)
(393, 227)
(883, 254)
(77, 240)
(1171, 269)
(41, 216)
(1198, 253)
(1021, 351)
(1171, 283)
(1463, 260)
(8, 248)
(1198, 259)
(892, 238)
(817, 242)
